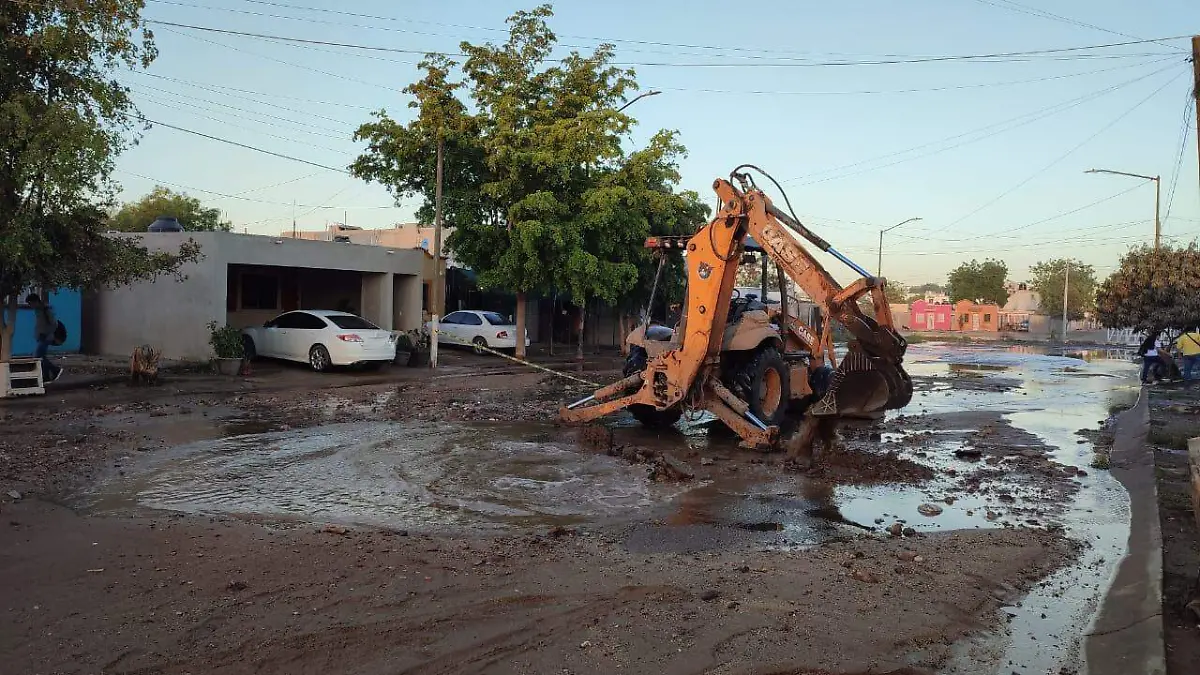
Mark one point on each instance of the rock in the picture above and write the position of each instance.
(910, 532)
(744, 569)
(929, 510)
(706, 461)
(731, 605)
(949, 500)
(14, 494)
(335, 529)
(992, 515)
(864, 576)
(709, 595)
(1006, 498)
(968, 453)
(560, 531)
(895, 529)
(919, 559)
(237, 585)
(876, 436)
(907, 556)
(585, 644)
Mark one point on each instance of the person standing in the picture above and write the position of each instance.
(1188, 345)
(1149, 353)
(44, 327)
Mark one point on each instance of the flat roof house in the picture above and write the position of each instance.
(244, 280)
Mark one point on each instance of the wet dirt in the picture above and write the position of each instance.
(989, 440)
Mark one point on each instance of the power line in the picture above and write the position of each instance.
(997, 57)
(611, 40)
(281, 61)
(240, 145)
(217, 89)
(1041, 13)
(1061, 157)
(336, 133)
(1185, 127)
(192, 110)
(238, 195)
(1020, 121)
(954, 87)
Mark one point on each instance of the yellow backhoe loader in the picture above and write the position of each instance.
(755, 369)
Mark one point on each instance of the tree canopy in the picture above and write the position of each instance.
(979, 281)
(1048, 278)
(896, 293)
(63, 119)
(539, 187)
(161, 201)
(1152, 290)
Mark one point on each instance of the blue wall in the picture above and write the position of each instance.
(67, 306)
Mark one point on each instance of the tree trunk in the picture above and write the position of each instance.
(520, 349)
(579, 345)
(553, 319)
(623, 333)
(8, 326)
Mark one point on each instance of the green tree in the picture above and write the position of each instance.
(1048, 277)
(896, 293)
(548, 197)
(1152, 290)
(979, 281)
(137, 216)
(63, 119)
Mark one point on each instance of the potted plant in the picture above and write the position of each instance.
(226, 343)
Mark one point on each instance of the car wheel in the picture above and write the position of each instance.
(248, 349)
(479, 344)
(318, 358)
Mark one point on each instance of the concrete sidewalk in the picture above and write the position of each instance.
(1127, 636)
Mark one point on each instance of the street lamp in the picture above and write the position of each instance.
(879, 266)
(1157, 194)
(635, 99)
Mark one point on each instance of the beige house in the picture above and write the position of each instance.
(403, 235)
(244, 280)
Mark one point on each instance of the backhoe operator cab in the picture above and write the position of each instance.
(749, 363)
(754, 363)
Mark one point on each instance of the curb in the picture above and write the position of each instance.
(1127, 635)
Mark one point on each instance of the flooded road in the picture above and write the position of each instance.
(495, 477)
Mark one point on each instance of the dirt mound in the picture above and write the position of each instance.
(859, 467)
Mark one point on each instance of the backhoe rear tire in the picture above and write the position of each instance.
(648, 415)
(770, 386)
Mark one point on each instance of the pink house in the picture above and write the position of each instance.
(928, 316)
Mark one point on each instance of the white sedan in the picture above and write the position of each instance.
(479, 330)
(322, 339)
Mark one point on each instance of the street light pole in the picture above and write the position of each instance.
(879, 264)
(1157, 196)
(635, 99)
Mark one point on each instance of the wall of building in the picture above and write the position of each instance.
(68, 308)
(172, 315)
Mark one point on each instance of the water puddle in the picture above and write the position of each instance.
(392, 475)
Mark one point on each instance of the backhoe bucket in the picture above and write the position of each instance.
(864, 385)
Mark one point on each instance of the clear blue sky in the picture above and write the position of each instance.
(990, 155)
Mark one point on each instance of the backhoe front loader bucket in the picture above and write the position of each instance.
(863, 385)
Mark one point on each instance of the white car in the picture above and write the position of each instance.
(477, 330)
(322, 339)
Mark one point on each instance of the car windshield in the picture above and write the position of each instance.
(495, 319)
(349, 322)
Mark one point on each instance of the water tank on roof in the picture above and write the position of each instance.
(165, 224)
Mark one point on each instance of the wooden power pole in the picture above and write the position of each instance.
(1196, 91)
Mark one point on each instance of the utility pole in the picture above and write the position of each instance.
(438, 285)
(293, 219)
(1196, 88)
(1066, 294)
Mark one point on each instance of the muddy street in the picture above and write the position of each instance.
(299, 523)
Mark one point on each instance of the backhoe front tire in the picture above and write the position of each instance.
(648, 415)
(770, 386)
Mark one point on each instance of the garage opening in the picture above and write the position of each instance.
(258, 293)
